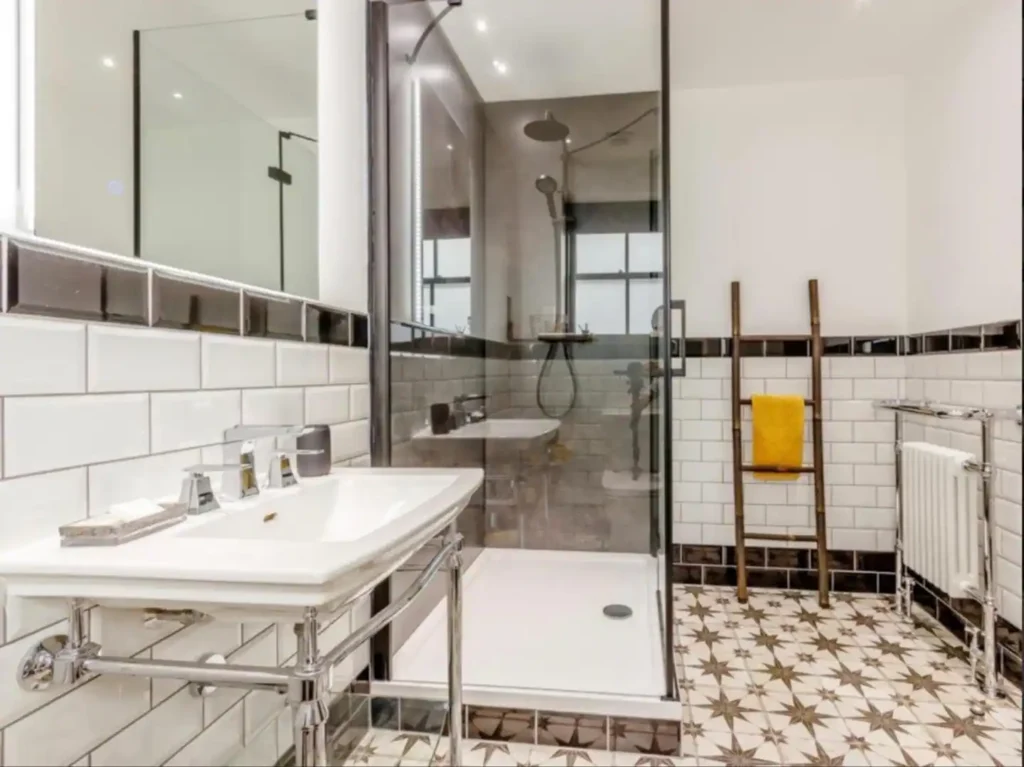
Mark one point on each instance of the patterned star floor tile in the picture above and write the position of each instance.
(724, 710)
(795, 716)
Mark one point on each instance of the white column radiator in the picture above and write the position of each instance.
(941, 502)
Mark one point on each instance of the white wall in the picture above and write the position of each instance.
(775, 184)
(964, 171)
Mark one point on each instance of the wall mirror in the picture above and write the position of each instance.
(183, 133)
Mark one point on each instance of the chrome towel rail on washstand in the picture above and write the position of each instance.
(904, 582)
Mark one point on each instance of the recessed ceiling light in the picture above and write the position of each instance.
(501, 66)
(450, 148)
(108, 62)
(178, 95)
(568, 141)
(481, 25)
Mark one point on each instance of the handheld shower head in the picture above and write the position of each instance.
(547, 186)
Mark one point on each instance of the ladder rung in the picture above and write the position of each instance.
(808, 403)
(777, 469)
(779, 537)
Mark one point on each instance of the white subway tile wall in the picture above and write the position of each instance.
(993, 380)
(124, 410)
(859, 470)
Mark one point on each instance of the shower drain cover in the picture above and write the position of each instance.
(618, 612)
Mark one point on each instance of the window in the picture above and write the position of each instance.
(446, 283)
(618, 281)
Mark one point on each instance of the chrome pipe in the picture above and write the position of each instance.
(244, 677)
(308, 695)
(385, 616)
(935, 409)
(902, 601)
(987, 571)
(455, 711)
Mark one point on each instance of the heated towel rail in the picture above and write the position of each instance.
(986, 593)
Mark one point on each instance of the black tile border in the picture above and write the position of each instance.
(995, 336)
(601, 732)
(866, 572)
(44, 280)
(956, 614)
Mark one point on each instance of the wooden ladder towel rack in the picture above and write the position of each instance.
(817, 468)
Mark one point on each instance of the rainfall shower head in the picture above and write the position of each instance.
(547, 186)
(546, 129)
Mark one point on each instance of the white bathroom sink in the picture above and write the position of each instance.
(320, 544)
(515, 429)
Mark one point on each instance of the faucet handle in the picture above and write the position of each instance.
(196, 492)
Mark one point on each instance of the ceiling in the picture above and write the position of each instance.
(556, 48)
(568, 48)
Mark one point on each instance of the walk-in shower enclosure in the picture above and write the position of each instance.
(518, 244)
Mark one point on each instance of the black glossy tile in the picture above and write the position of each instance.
(804, 580)
(384, 713)
(327, 326)
(719, 576)
(965, 339)
(360, 331)
(687, 574)
(876, 561)
(925, 599)
(702, 555)
(953, 621)
(704, 347)
(653, 737)
(427, 716)
(936, 342)
(267, 317)
(1011, 668)
(578, 731)
(787, 348)
(876, 345)
(788, 558)
(886, 583)
(754, 555)
(838, 559)
(910, 345)
(1008, 636)
(504, 725)
(1001, 335)
(837, 346)
(53, 285)
(860, 583)
(765, 578)
(751, 348)
(191, 306)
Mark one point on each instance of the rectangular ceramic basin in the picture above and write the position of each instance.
(320, 544)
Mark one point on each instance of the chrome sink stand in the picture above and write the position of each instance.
(67, 660)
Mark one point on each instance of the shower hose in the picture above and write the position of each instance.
(548, 361)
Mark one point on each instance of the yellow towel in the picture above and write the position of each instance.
(778, 433)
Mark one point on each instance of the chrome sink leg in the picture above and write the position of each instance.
(307, 694)
(455, 711)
